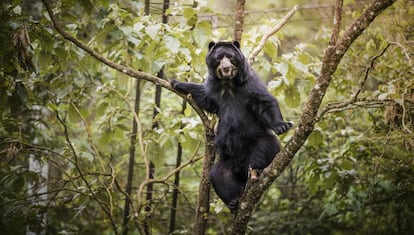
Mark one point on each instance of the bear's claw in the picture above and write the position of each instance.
(283, 127)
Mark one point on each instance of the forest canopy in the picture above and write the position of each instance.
(94, 140)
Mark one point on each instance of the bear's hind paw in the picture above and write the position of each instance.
(234, 205)
(283, 127)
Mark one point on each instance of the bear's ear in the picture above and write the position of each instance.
(236, 44)
(211, 45)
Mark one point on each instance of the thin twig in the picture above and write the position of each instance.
(139, 129)
(165, 178)
(368, 70)
(97, 155)
(89, 134)
(77, 167)
(266, 36)
(340, 106)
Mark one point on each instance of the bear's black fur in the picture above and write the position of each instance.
(247, 113)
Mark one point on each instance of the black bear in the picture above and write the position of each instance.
(248, 116)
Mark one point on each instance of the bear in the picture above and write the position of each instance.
(249, 117)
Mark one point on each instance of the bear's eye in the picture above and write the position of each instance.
(229, 56)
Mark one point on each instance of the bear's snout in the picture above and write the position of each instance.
(226, 69)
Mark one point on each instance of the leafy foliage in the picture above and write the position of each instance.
(62, 109)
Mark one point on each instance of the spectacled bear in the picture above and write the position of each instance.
(248, 116)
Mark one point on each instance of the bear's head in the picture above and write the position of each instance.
(225, 61)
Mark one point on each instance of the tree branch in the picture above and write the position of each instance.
(103, 206)
(368, 70)
(330, 61)
(337, 23)
(266, 36)
(338, 106)
(203, 202)
(147, 181)
(355, 103)
(121, 68)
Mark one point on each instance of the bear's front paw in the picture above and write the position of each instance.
(174, 83)
(283, 127)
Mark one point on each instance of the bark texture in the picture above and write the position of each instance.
(238, 20)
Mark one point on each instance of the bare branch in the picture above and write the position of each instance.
(147, 181)
(79, 170)
(342, 106)
(338, 106)
(266, 36)
(369, 68)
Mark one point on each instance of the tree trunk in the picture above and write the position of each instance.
(238, 20)
(176, 181)
(131, 162)
(155, 125)
(203, 204)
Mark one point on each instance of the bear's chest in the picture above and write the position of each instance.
(233, 102)
(227, 93)
(233, 107)
(229, 99)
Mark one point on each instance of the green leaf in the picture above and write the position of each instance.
(283, 68)
(346, 164)
(64, 92)
(21, 92)
(105, 137)
(52, 106)
(134, 40)
(274, 84)
(316, 138)
(203, 34)
(270, 48)
(32, 176)
(330, 209)
(292, 96)
(172, 43)
(18, 183)
(87, 5)
(153, 30)
(17, 10)
(187, 112)
(189, 12)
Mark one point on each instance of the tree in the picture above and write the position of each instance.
(69, 109)
(337, 47)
